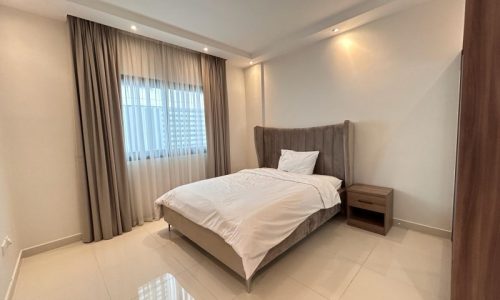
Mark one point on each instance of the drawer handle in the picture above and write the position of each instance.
(365, 201)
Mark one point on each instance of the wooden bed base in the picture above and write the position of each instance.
(218, 248)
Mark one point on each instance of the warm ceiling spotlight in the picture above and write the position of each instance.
(336, 30)
(133, 27)
(205, 49)
(251, 62)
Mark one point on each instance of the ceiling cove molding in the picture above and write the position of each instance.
(349, 19)
(98, 7)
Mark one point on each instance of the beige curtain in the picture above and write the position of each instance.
(153, 116)
(95, 54)
(213, 73)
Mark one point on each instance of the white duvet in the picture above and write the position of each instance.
(253, 210)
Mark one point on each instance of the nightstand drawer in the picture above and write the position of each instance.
(367, 199)
(365, 204)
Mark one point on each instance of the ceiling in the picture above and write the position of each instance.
(239, 30)
(250, 25)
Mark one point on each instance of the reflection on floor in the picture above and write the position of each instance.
(163, 287)
(337, 262)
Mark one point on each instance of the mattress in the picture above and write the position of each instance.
(253, 210)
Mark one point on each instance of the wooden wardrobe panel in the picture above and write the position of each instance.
(476, 237)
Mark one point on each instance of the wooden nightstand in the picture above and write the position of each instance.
(370, 207)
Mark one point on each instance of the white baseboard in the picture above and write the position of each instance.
(423, 228)
(13, 279)
(37, 249)
(27, 252)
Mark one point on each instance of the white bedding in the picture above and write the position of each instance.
(253, 210)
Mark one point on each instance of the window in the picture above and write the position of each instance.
(162, 120)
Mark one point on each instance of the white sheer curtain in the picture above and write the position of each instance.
(163, 120)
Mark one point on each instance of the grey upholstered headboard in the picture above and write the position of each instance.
(334, 143)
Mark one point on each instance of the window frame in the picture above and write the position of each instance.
(164, 87)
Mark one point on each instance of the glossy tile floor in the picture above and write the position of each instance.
(336, 262)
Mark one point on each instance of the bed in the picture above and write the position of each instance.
(335, 146)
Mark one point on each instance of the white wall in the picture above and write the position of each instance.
(38, 120)
(253, 95)
(398, 80)
(237, 117)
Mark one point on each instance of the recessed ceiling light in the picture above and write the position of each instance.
(251, 62)
(133, 27)
(336, 30)
(205, 49)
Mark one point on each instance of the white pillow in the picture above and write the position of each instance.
(298, 162)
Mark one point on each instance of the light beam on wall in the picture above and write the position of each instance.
(346, 43)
